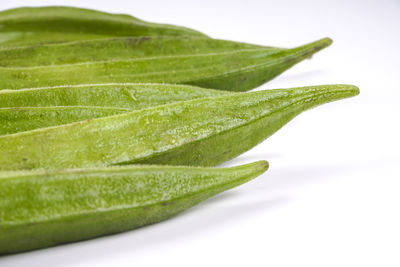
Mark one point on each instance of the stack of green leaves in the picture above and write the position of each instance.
(108, 122)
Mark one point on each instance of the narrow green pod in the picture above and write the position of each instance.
(28, 109)
(22, 39)
(238, 70)
(35, 25)
(201, 132)
(121, 48)
(20, 119)
(120, 95)
(42, 209)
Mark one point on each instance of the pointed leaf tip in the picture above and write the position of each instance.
(257, 167)
(310, 49)
(353, 90)
(348, 89)
(327, 41)
(261, 166)
(321, 43)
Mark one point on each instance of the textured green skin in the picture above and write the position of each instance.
(36, 25)
(23, 110)
(116, 49)
(120, 95)
(22, 39)
(42, 209)
(201, 132)
(20, 119)
(238, 70)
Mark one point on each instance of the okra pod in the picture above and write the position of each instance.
(36, 25)
(201, 132)
(237, 70)
(20, 119)
(28, 109)
(119, 95)
(120, 48)
(46, 208)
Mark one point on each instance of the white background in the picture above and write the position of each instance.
(332, 194)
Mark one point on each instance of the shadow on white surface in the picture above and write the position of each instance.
(290, 177)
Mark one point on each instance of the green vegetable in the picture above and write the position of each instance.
(41, 209)
(20, 119)
(119, 95)
(28, 109)
(117, 49)
(237, 70)
(36, 25)
(200, 132)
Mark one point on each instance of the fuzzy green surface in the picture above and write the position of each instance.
(121, 48)
(36, 25)
(201, 132)
(41, 209)
(20, 119)
(23, 110)
(238, 70)
(120, 95)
